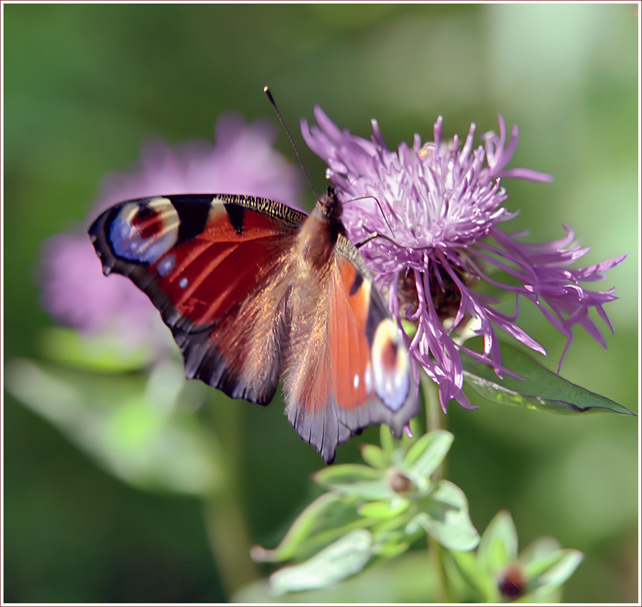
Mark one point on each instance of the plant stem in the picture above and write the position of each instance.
(226, 528)
(431, 399)
(435, 551)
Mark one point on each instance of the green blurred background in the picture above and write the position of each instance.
(86, 85)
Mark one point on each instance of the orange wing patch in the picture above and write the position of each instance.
(349, 349)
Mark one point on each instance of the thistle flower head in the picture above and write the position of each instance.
(430, 217)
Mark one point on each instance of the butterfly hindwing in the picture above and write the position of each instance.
(348, 367)
(213, 266)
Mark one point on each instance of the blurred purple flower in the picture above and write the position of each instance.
(77, 295)
(430, 217)
(242, 160)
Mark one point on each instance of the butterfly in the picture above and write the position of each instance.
(255, 292)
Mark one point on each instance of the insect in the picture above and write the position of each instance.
(253, 291)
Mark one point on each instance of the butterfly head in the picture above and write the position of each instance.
(330, 208)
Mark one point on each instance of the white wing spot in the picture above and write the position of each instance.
(166, 265)
(368, 379)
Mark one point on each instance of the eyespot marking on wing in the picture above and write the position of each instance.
(390, 365)
(144, 232)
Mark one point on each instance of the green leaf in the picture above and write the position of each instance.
(355, 479)
(388, 441)
(374, 456)
(123, 422)
(385, 509)
(327, 518)
(426, 455)
(390, 544)
(554, 571)
(540, 551)
(339, 560)
(498, 545)
(540, 388)
(472, 583)
(345, 474)
(101, 353)
(445, 517)
(406, 579)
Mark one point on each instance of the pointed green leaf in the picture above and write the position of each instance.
(472, 583)
(445, 517)
(539, 389)
(355, 479)
(427, 453)
(345, 474)
(406, 579)
(554, 572)
(384, 509)
(539, 552)
(498, 544)
(339, 560)
(374, 456)
(388, 441)
(327, 518)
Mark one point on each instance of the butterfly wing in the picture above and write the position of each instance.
(348, 368)
(216, 268)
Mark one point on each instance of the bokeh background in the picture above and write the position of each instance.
(86, 85)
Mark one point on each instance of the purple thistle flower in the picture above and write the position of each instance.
(242, 160)
(430, 217)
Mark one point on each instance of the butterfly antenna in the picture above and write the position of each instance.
(266, 90)
(378, 204)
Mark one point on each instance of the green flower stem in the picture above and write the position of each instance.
(435, 551)
(444, 588)
(226, 529)
(434, 414)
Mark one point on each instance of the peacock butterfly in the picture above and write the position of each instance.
(253, 291)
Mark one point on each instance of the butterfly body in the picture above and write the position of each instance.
(254, 291)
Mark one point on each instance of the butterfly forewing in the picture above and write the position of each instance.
(205, 261)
